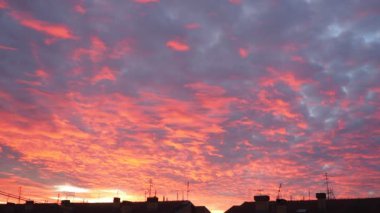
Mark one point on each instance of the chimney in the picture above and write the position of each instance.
(281, 206)
(152, 203)
(321, 202)
(66, 207)
(29, 205)
(116, 200)
(65, 202)
(262, 203)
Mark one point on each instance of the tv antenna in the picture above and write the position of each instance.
(329, 190)
(188, 190)
(279, 191)
(150, 187)
(19, 194)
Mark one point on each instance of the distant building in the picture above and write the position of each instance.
(321, 205)
(152, 205)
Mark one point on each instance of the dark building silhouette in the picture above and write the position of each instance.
(152, 205)
(321, 205)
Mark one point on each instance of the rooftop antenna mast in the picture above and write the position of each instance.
(329, 190)
(19, 194)
(150, 187)
(58, 197)
(188, 190)
(279, 191)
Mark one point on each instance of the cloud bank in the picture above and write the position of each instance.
(232, 96)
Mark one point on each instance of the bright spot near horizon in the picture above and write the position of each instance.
(69, 188)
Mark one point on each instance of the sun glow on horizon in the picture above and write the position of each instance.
(70, 188)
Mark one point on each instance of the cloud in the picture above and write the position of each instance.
(264, 92)
(146, 1)
(243, 52)
(105, 74)
(3, 47)
(55, 30)
(192, 26)
(3, 4)
(177, 46)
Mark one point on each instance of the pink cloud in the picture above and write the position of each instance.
(177, 46)
(104, 74)
(285, 76)
(235, 1)
(146, 1)
(55, 30)
(80, 9)
(96, 51)
(3, 4)
(192, 26)
(3, 47)
(297, 58)
(41, 74)
(243, 52)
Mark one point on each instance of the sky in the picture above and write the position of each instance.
(232, 96)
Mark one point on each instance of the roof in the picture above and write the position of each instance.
(201, 209)
(161, 207)
(130, 207)
(368, 205)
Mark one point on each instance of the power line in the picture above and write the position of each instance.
(18, 197)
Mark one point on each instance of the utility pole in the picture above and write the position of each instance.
(19, 194)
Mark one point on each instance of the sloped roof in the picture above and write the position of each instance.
(201, 209)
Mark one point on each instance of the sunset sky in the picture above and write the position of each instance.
(235, 96)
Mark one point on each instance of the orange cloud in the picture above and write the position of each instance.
(177, 46)
(55, 30)
(96, 51)
(213, 97)
(122, 140)
(284, 76)
(275, 106)
(273, 131)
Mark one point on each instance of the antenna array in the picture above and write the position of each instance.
(329, 189)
